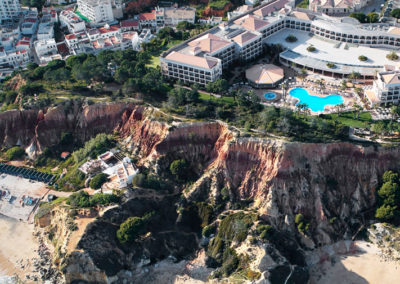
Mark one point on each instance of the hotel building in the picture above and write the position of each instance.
(242, 39)
(386, 87)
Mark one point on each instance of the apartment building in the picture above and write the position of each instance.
(104, 38)
(97, 11)
(14, 58)
(46, 28)
(45, 47)
(148, 20)
(70, 20)
(173, 16)
(9, 10)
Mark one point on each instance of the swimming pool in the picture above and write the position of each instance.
(315, 103)
(270, 96)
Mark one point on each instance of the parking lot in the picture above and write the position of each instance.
(19, 196)
(26, 173)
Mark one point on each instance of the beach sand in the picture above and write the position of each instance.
(361, 268)
(16, 243)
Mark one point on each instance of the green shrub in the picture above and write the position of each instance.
(302, 225)
(390, 176)
(179, 169)
(299, 218)
(79, 199)
(291, 38)
(392, 56)
(72, 181)
(98, 180)
(330, 65)
(311, 48)
(264, 231)
(234, 227)
(208, 230)
(15, 153)
(386, 212)
(362, 58)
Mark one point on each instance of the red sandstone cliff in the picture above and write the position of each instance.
(41, 128)
(321, 181)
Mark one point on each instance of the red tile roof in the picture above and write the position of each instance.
(147, 16)
(113, 28)
(70, 36)
(129, 23)
(63, 49)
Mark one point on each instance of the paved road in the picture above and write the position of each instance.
(375, 6)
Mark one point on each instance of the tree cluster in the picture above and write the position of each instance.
(389, 197)
(132, 227)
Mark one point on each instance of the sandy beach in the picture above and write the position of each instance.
(16, 243)
(361, 268)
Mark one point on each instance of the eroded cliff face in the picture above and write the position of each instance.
(321, 181)
(37, 129)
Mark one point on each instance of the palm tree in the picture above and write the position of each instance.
(358, 91)
(298, 109)
(306, 111)
(358, 109)
(343, 85)
(340, 108)
(394, 110)
(303, 74)
(354, 75)
(321, 84)
(284, 88)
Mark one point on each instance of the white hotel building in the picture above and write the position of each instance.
(243, 38)
(386, 88)
(9, 10)
(97, 11)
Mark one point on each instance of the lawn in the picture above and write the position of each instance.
(155, 56)
(154, 62)
(222, 100)
(347, 118)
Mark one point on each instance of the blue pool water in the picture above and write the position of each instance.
(315, 103)
(270, 96)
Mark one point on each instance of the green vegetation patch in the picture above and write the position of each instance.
(98, 180)
(389, 198)
(94, 147)
(15, 153)
(218, 4)
(234, 227)
(82, 199)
